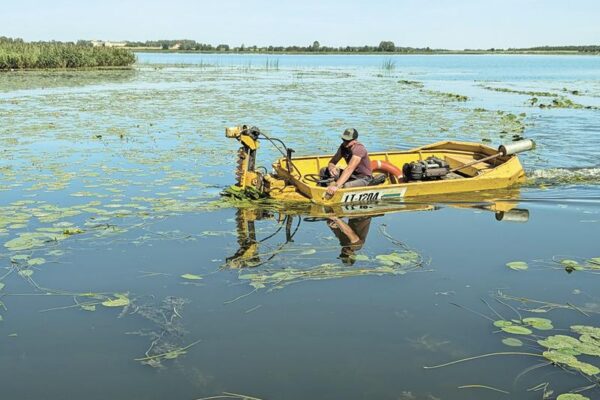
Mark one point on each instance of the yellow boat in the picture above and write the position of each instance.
(470, 167)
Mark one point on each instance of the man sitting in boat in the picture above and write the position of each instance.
(357, 173)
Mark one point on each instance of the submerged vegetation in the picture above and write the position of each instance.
(16, 54)
(571, 351)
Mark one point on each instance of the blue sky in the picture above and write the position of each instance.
(456, 24)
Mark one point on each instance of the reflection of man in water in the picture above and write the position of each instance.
(352, 235)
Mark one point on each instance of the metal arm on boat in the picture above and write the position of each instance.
(246, 165)
(503, 150)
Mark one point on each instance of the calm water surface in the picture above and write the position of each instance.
(109, 186)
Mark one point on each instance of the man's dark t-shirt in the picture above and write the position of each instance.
(364, 167)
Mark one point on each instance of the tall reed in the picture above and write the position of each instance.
(21, 55)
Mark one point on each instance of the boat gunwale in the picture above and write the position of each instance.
(434, 147)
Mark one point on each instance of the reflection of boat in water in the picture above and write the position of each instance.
(459, 167)
(352, 232)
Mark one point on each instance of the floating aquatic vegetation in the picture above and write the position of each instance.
(120, 300)
(415, 84)
(512, 342)
(560, 350)
(560, 102)
(518, 91)
(191, 277)
(394, 263)
(542, 324)
(448, 96)
(517, 265)
(517, 330)
(572, 396)
(572, 264)
(248, 193)
(279, 279)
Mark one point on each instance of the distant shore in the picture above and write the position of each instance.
(389, 54)
(16, 54)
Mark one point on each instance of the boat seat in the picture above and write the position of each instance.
(456, 160)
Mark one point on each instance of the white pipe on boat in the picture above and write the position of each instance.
(516, 147)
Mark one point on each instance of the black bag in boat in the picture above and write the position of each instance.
(425, 170)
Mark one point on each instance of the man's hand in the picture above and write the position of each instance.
(334, 171)
(332, 189)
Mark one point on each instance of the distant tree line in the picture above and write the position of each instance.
(192, 45)
(583, 49)
(316, 47)
(18, 54)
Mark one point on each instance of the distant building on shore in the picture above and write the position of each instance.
(103, 43)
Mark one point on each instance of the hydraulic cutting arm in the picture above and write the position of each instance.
(246, 164)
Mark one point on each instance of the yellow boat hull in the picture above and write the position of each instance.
(502, 172)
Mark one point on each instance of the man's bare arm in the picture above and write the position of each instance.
(346, 230)
(354, 161)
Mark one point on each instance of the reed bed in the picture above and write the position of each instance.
(20, 55)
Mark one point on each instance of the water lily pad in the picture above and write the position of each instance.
(557, 342)
(36, 261)
(542, 324)
(571, 265)
(585, 338)
(586, 368)
(120, 300)
(191, 277)
(595, 260)
(502, 323)
(559, 358)
(30, 240)
(88, 307)
(513, 342)
(588, 349)
(26, 273)
(585, 329)
(572, 396)
(517, 330)
(517, 265)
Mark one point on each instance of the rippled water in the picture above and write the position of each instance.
(109, 187)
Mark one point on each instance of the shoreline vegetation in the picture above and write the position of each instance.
(16, 54)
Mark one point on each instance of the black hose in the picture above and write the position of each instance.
(272, 140)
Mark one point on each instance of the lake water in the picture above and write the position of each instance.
(124, 275)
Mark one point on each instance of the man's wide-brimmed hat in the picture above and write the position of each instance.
(350, 134)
